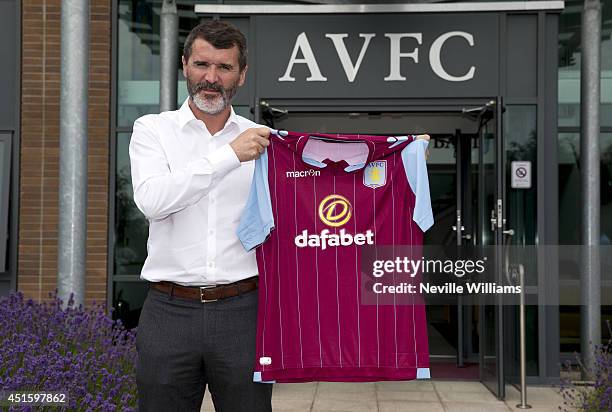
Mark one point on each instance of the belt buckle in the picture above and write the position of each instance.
(202, 290)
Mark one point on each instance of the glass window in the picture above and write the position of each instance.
(569, 63)
(5, 186)
(570, 204)
(570, 207)
(606, 70)
(138, 60)
(138, 57)
(520, 139)
(131, 227)
(569, 188)
(606, 188)
(606, 63)
(128, 298)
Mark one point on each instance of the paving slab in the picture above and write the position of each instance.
(475, 407)
(340, 391)
(291, 405)
(541, 399)
(402, 406)
(419, 386)
(472, 397)
(345, 405)
(294, 391)
(207, 404)
(460, 386)
(344, 387)
(406, 396)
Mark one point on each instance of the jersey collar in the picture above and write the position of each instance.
(333, 138)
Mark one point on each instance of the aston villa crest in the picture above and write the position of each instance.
(375, 174)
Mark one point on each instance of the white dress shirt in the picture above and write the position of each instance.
(192, 188)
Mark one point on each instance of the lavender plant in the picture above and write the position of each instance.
(595, 397)
(82, 352)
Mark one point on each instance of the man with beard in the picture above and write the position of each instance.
(191, 172)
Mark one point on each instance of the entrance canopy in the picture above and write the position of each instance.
(207, 9)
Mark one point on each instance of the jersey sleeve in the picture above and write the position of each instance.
(415, 166)
(257, 220)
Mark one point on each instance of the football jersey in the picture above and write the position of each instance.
(315, 200)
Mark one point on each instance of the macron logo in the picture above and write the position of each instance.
(303, 173)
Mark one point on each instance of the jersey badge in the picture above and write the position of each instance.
(375, 174)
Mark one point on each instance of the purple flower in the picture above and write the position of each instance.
(597, 396)
(78, 351)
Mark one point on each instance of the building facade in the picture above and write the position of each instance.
(491, 85)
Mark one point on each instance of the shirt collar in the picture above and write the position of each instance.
(185, 115)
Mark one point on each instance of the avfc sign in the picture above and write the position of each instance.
(375, 56)
(375, 174)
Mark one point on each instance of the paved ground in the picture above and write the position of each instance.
(421, 396)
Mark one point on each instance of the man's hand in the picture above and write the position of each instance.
(425, 137)
(251, 143)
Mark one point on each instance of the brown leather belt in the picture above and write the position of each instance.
(207, 293)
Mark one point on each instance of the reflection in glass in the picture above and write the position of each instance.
(570, 210)
(138, 57)
(606, 188)
(5, 186)
(128, 298)
(521, 143)
(489, 314)
(570, 204)
(569, 63)
(131, 227)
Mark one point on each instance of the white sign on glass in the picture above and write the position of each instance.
(521, 175)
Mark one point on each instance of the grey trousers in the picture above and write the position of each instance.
(184, 345)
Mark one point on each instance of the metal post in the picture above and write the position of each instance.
(73, 150)
(168, 56)
(589, 159)
(523, 350)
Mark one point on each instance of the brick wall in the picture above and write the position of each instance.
(40, 94)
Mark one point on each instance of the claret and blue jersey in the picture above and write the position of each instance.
(316, 199)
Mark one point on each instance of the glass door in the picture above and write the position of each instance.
(453, 177)
(463, 229)
(492, 231)
(452, 327)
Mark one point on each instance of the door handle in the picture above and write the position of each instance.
(494, 225)
(493, 220)
(464, 236)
